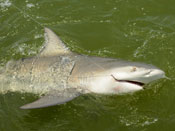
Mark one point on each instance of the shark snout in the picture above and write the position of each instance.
(154, 75)
(151, 75)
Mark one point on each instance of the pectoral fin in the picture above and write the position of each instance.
(53, 98)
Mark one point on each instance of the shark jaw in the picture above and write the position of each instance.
(129, 81)
(127, 86)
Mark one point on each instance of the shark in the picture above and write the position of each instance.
(59, 75)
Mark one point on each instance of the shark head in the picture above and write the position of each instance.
(112, 76)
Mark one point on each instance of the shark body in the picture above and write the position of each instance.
(61, 75)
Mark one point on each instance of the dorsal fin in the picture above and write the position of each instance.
(53, 45)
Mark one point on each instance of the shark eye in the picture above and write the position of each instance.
(133, 69)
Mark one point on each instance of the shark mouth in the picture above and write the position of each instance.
(132, 82)
(128, 81)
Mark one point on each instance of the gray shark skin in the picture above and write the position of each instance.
(61, 75)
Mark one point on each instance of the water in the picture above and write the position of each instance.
(131, 30)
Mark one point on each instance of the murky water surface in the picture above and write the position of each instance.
(135, 30)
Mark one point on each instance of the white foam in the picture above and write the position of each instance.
(30, 5)
(4, 4)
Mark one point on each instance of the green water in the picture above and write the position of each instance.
(136, 30)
